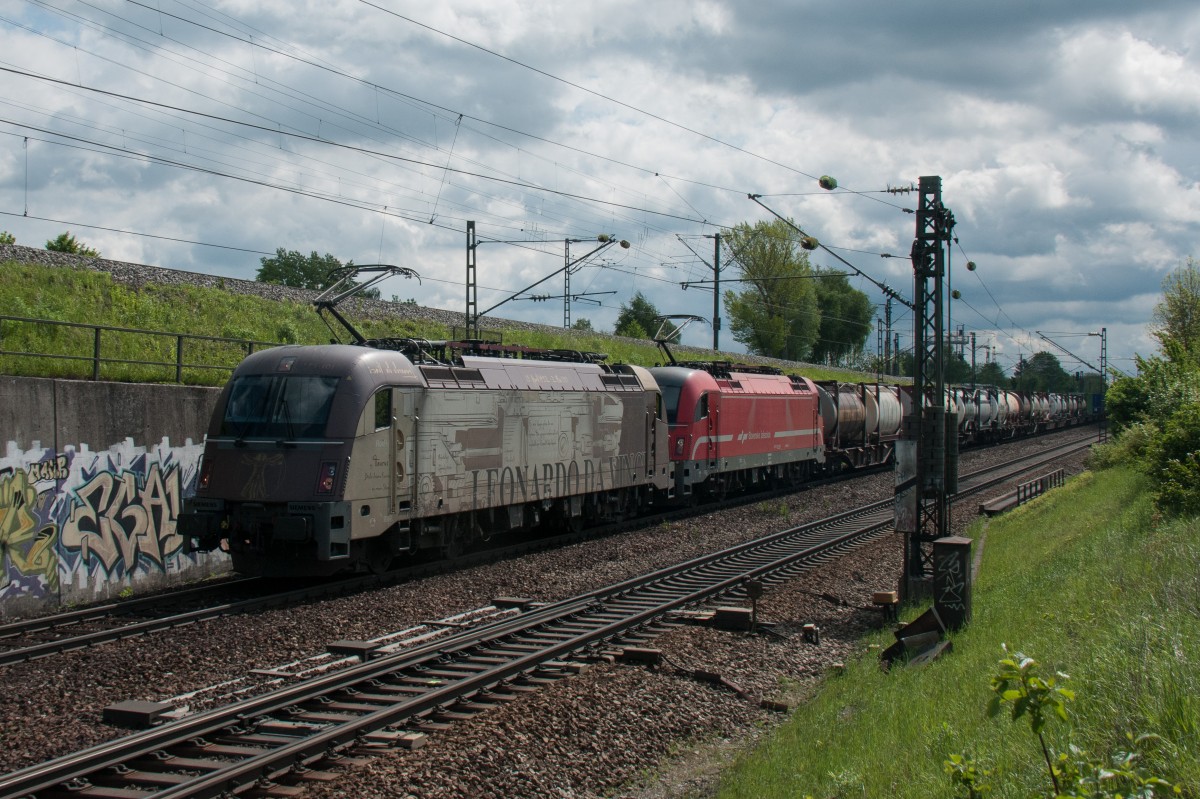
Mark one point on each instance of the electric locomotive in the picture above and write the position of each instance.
(330, 458)
(735, 426)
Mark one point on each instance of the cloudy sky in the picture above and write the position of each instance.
(204, 134)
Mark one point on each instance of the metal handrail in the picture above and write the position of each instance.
(1040, 485)
(96, 359)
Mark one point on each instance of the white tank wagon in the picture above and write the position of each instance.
(861, 422)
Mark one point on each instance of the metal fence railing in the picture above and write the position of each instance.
(1039, 486)
(98, 352)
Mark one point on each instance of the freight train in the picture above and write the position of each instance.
(332, 458)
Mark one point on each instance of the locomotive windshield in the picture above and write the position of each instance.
(670, 396)
(278, 406)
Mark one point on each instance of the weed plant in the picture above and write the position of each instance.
(1083, 578)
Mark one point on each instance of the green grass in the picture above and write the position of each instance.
(1081, 580)
(89, 297)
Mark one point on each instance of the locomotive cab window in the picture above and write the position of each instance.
(702, 407)
(278, 406)
(670, 398)
(383, 408)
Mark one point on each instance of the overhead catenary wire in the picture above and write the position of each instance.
(424, 103)
(694, 215)
(256, 43)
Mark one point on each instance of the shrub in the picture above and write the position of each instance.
(1175, 461)
(1128, 448)
(67, 243)
(287, 333)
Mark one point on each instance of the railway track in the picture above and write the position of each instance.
(272, 742)
(44, 636)
(30, 639)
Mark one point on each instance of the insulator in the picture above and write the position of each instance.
(956, 294)
(970, 266)
(809, 243)
(827, 183)
(603, 237)
(624, 244)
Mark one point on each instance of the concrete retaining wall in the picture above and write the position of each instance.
(92, 478)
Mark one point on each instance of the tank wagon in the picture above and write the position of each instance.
(988, 414)
(328, 458)
(862, 422)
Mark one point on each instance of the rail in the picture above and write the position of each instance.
(228, 352)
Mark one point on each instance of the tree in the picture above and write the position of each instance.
(1042, 372)
(582, 324)
(315, 272)
(845, 319)
(1175, 321)
(290, 268)
(990, 374)
(956, 369)
(67, 243)
(777, 314)
(636, 320)
(1160, 388)
(7, 238)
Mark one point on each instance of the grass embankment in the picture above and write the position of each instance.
(1080, 580)
(89, 297)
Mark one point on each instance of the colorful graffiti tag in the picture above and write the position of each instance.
(77, 523)
(26, 540)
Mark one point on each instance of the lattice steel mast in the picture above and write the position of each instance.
(932, 436)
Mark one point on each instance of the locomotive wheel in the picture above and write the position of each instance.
(378, 557)
(453, 538)
(564, 521)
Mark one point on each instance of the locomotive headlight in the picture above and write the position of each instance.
(327, 477)
(679, 446)
(205, 474)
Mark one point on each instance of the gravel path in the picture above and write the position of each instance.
(597, 734)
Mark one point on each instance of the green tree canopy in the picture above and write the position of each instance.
(65, 242)
(582, 324)
(1160, 388)
(1157, 413)
(1042, 372)
(1176, 319)
(777, 313)
(956, 369)
(991, 374)
(290, 268)
(845, 320)
(637, 319)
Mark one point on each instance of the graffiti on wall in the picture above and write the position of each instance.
(27, 539)
(82, 521)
